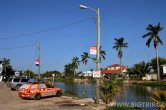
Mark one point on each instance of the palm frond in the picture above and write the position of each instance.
(159, 40)
(149, 41)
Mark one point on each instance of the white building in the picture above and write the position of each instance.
(86, 74)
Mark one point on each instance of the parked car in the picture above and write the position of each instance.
(38, 90)
(17, 82)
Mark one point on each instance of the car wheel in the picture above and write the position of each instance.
(17, 87)
(12, 89)
(37, 96)
(58, 94)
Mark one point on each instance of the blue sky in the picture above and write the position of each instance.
(119, 18)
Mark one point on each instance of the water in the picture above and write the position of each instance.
(132, 94)
(81, 90)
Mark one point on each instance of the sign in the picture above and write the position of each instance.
(37, 62)
(164, 69)
(96, 74)
(53, 75)
(93, 50)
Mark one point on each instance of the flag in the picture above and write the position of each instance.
(37, 62)
(93, 50)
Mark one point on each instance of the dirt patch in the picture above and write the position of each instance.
(9, 100)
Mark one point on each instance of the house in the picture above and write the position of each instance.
(115, 68)
(86, 74)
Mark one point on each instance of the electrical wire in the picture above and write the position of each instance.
(30, 66)
(46, 30)
(24, 46)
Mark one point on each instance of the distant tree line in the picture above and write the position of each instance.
(142, 68)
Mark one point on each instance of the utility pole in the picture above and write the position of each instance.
(98, 48)
(39, 60)
(98, 54)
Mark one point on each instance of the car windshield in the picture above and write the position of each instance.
(25, 86)
(16, 80)
(24, 80)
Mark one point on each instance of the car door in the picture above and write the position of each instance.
(43, 90)
(33, 89)
(50, 89)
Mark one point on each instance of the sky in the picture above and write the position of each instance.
(66, 31)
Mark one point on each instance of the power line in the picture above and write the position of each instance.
(33, 60)
(24, 46)
(46, 30)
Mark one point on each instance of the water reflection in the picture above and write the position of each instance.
(134, 94)
(130, 93)
(81, 90)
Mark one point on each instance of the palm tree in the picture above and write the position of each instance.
(109, 89)
(152, 34)
(102, 55)
(140, 69)
(75, 63)
(159, 97)
(68, 69)
(119, 45)
(85, 56)
(6, 65)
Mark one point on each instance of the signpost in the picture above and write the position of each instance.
(96, 74)
(164, 69)
(53, 75)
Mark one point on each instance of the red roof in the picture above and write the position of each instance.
(115, 68)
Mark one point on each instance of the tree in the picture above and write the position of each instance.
(109, 89)
(68, 70)
(140, 69)
(102, 55)
(75, 64)
(85, 56)
(29, 73)
(48, 74)
(153, 35)
(7, 69)
(161, 61)
(159, 97)
(119, 45)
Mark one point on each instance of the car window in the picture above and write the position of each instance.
(42, 86)
(25, 86)
(16, 79)
(34, 86)
(24, 80)
(49, 86)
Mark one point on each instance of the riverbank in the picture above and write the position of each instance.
(10, 101)
(148, 83)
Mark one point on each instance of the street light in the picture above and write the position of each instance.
(98, 47)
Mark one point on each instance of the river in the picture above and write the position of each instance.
(133, 95)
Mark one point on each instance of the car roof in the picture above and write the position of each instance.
(39, 83)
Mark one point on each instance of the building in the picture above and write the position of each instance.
(115, 68)
(86, 74)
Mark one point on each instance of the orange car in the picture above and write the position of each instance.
(38, 90)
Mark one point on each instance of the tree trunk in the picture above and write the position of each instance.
(121, 66)
(158, 68)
